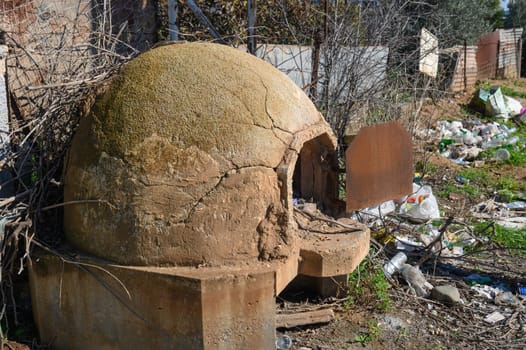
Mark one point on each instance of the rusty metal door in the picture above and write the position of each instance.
(379, 165)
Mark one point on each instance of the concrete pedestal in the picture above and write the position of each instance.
(96, 305)
(93, 304)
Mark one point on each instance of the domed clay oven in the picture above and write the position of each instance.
(180, 186)
(193, 149)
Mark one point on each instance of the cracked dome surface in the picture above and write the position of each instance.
(181, 152)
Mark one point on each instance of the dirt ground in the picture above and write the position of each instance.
(419, 322)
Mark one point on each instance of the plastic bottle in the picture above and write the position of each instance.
(284, 342)
(442, 146)
(502, 154)
(462, 180)
(508, 130)
(522, 290)
(492, 143)
(512, 140)
(469, 139)
(394, 264)
(516, 205)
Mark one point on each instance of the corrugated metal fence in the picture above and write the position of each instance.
(497, 55)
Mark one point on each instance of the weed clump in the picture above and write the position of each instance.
(369, 287)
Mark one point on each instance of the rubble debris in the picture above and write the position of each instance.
(310, 207)
(446, 294)
(494, 317)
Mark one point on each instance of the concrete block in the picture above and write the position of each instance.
(96, 305)
(328, 255)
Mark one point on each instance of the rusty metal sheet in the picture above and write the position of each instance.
(487, 48)
(379, 165)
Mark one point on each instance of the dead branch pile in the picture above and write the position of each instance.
(58, 58)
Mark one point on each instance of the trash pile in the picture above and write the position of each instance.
(498, 301)
(509, 215)
(463, 141)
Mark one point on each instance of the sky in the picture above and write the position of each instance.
(504, 4)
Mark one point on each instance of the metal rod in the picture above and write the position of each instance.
(197, 11)
(172, 19)
(252, 8)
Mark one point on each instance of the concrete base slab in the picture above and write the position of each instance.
(327, 255)
(95, 305)
(327, 259)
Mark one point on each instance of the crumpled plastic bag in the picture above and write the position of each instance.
(378, 211)
(420, 206)
(496, 104)
(514, 106)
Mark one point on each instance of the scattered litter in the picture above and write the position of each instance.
(505, 298)
(514, 106)
(502, 154)
(516, 205)
(284, 342)
(378, 211)
(485, 291)
(521, 119)
(494, 103)
(454, 197)
(394, 264)
(298, 202)
(475, 278)
(494, 317)
(421, 206)
(522, 290)
(416, 280)
(514, 223)
(407, 243)
(462, 142)
(489, 209)
(461, 180)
